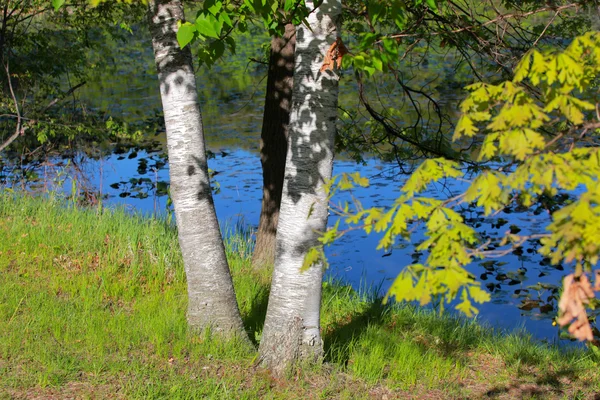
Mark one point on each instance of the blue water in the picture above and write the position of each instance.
(353, 257)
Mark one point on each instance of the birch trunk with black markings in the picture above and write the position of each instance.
(292, 327)
(211, 298)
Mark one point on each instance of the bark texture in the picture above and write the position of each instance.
(273, 142)
(211, 299)
(292, 327)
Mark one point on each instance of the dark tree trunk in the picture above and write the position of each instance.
(273, 142)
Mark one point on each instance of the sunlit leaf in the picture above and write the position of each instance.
(57, 4)
(185, 34)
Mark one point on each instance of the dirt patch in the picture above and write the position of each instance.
(69, 391)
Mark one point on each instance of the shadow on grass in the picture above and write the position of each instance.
(255, 319)
(338, 338)
(451, 335)
(491, 363)
(544, 385)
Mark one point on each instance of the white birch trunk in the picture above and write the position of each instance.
(292, 327)
(211, 298)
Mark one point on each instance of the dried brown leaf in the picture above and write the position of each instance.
(334, 55)
(576, 293)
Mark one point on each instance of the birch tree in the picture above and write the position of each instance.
(211, 299)
(291, 332)
(213, 31)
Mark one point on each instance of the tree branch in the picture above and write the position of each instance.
(67, 93)
(18, 128)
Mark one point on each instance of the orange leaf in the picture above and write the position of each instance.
(575, 294)
(333, 57)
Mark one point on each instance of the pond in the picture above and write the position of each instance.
(522, 283)
(353, 258)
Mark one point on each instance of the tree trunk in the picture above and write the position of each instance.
(211, 298)
(273, 142)
(292, 326)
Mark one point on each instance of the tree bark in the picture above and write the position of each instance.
(211, 298)
(292, 326)
(273, 142)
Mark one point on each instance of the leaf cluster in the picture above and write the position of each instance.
(393, 42)
(44, 54)
(217, 22)
(538, 135)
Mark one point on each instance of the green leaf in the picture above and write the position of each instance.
(479, 295)
(358, 61)
(288, 5)
(402, 288)
(465, 127)
(375, 10)
(345, 183)
(185, 34)
(57, 4)
(314, 256)
(391, 47)
(466, 307)
(250, 5)
(218, 48)
(224, 18)
(231, 43)
(359, 180)
(330, 235)
(213, 7)
(398, 14)
(376, 62)
(432, 5)
(369, 71)
(382, 223)
(208, 26)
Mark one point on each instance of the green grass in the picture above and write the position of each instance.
(92, 305)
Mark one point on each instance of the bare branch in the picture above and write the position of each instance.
(61, 97)
(499, 18)
(18, 129)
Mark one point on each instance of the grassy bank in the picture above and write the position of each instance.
(92, 305)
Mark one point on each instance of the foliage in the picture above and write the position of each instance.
(388, 42)
(409, 56)
(216, 22)
(537, 136)
(550, 137)
(44, 52)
